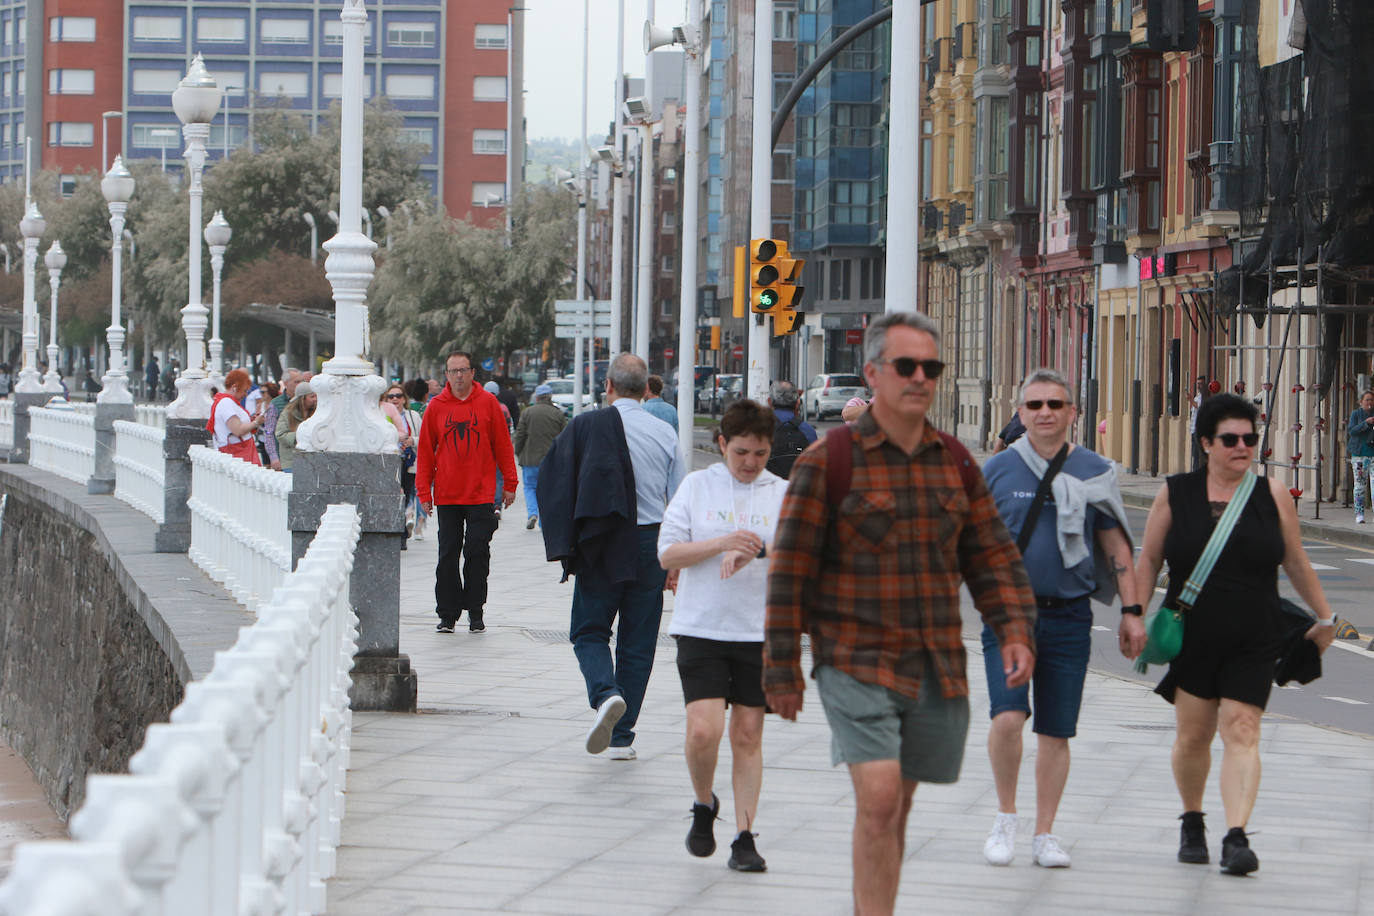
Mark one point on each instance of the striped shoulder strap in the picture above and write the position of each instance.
(1217, 542)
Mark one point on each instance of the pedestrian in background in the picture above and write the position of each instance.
(878, 530)
(151, 373)
(717, 530)
(603, 488)
(494, 389)
(299, 409)
(791, 435)
(1359, 442)
(1062, 503)
(407, 422)
(1221, 678)
(464, 443)
(289, 380)
(539, 425)
(232, 425)
(656, 406)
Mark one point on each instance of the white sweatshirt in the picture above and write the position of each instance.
(711, 503)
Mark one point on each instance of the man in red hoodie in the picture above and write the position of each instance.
(463, 442)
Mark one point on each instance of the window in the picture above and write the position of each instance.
(66, 185)
(237, 134)
(785, 22)
(333, 32)
(490, 37)
(418, 136)
(489, 89)
(71, 28)
(71, 82)
(284, 31)
(411, 85)
(411, 35)
(154, 82)
(665, 308)
(295, 85)
(8, 37)
(157, 136)
(221, 29)
(668, 263)
(669, 221)
(6, 84)
(488, 193)
(71, 133)
(331, 85)
(488, 142)
(157, 28)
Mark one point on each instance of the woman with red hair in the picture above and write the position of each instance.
(231, 424)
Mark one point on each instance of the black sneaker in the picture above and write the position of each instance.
(1237, 858)
(701, 839)
(1192, 839)
(445, 626)
(743, 855)
(475, 624)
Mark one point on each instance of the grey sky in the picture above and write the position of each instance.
(553, 60)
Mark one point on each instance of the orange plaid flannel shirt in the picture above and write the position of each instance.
(876, 583)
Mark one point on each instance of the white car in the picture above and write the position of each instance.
(828, 393)
(563, 395)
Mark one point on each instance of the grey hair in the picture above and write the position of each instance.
(875, 338)
(629, 374)
(1045, 376)
(783, 394)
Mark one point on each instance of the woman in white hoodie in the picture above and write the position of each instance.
(717, 530)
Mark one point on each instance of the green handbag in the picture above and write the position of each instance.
(1164, 629)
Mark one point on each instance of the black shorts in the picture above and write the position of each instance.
(714, 669)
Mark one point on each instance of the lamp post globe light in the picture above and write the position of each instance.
(55, 259)
(217, 235)
(31, 227)
(196, 102)
(118, 188)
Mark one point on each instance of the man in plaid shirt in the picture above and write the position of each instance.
(874, 578)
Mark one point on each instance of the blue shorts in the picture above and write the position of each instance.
(1063, 641)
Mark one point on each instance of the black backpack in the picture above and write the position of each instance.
(788, 442)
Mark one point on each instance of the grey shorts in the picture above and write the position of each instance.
(869, 722)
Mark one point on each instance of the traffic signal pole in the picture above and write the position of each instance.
(904, 162)
(761, 179)
(691, 189)
(582, 216)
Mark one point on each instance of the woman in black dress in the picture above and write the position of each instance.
(1220, 680)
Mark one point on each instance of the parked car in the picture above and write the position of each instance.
(719, 392)
(828, 393)
(563, 395)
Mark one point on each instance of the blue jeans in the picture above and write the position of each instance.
(1063, 642)
(639, 604)
(531, 478)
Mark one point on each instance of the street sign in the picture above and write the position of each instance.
(488, 364)
(737, 352)
(669, 352)
(574, 318)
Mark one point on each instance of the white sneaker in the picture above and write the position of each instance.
(621, 753)
(1359, 518)
(607, 715)
(1000, 848)
(1047, 853)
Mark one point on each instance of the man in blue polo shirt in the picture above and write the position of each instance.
(1079, 548)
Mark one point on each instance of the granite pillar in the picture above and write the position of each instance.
(174, 534)
(19, 452)
(382, 678)
(103, 480)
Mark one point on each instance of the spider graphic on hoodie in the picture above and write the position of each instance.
(462, 436)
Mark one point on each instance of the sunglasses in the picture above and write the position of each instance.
(395, 397)
(905, 366)
(1229, 440)
(1053, 403)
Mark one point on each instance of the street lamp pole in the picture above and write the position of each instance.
(118, 188)
(581, 295)
(903, 162)
(217, 235)
(56, 259)
(761, 190)
(314, 239)
(31, 227)
(196, 102)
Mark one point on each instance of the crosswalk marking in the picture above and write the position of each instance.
(1366, 560)
(1347, 700)
(1323, 566)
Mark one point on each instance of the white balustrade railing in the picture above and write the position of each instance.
(139, 467)
(6, 423)
(62, 442)
(151, 415)
(83, 408)
(239, 534)
(234, 808)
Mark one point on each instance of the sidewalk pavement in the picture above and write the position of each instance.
(486, 802)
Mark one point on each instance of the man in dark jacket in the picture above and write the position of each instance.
(539, 425)
(603, 487)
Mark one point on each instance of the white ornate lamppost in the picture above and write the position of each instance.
(196, 102)
(217, 235)
(55, 259)
(118, 188)
(31, 227)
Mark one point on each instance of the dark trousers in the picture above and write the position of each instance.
(639, 603)
(464, 532)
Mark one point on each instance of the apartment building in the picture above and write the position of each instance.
(443, 66)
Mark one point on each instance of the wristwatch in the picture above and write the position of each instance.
(1135, 609)
(1326, 621)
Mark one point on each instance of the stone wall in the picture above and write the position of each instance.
(81, 674)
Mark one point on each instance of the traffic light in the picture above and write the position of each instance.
(765, 256)
(786, 316)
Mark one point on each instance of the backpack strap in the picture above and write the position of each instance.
(968, 471)
(839, 463)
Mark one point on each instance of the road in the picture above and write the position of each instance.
(1342, 698)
